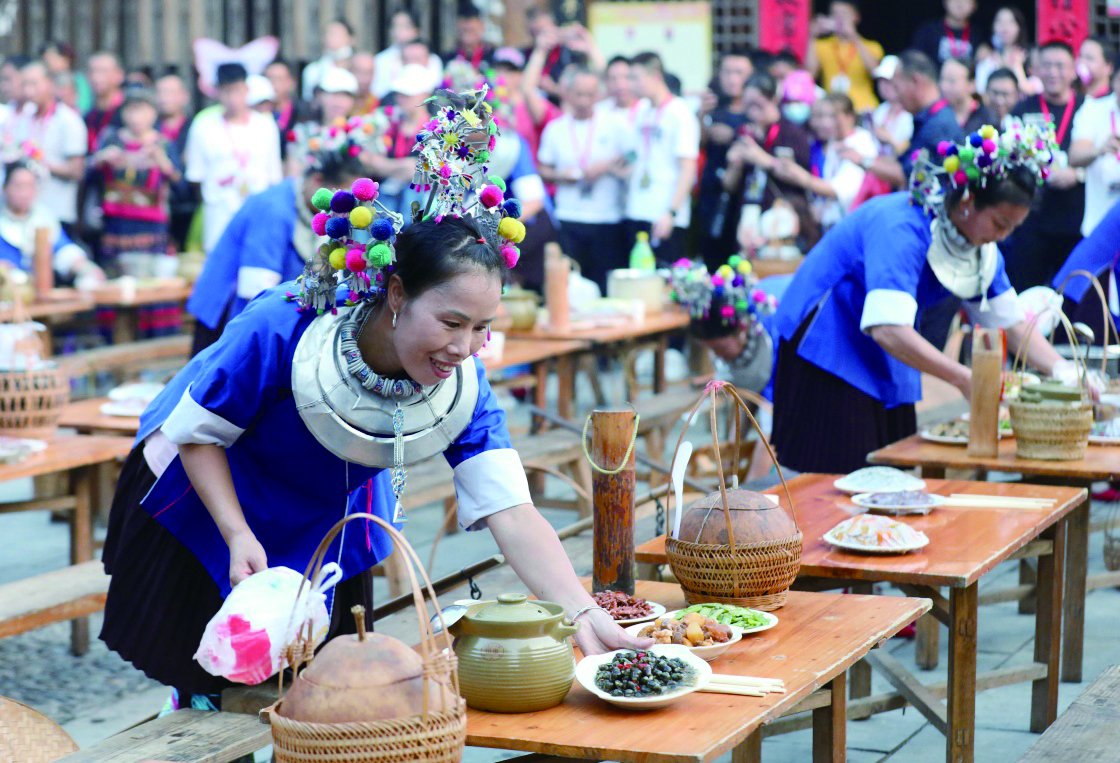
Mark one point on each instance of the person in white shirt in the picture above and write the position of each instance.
(621, 101)
(338, 46)
(403, 29)
(1095, 145)
(666, 146)
(581, 153)
(892, 125)
(231, 153)
(56, 137)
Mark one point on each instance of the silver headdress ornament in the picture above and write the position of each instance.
(730, 297)
(985, 155)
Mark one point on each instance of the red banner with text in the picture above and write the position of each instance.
(1065, 20)
(784, 24)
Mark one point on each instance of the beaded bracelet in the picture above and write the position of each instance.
(584, 610)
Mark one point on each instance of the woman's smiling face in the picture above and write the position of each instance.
(446, 324)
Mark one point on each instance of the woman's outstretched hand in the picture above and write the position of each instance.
(246, 557)
(598, 633)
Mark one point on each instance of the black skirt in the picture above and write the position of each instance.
(161, 597)
(823, 424)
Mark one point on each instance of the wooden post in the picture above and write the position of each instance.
(556, 273)
(613, 497)
(41, 265)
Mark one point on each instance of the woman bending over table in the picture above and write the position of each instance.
(849, 358)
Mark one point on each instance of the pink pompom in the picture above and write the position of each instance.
(511, 255)
(989, 146)
(491, 196)
(354, 150)
(960, 178)
(717, 280)
(727, 311)
(319, 223)
(445, 172)
(365, 189)
(493, 142)
(333, 132)
(943, 148)
(356, 261)
(759, 296)
(683, 262)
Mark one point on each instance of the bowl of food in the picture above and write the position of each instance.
(627, 609)
(878, 479)
(703, 636)
(644, 679)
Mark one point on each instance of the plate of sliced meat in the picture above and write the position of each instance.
(626, 609)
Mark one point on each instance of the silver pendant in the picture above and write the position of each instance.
(399, 517)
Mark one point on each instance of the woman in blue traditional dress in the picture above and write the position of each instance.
(1099, 254)
(849, 358)
(252, 452)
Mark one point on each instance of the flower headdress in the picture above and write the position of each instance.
(721, 302)
(985, 155)
(313, 144)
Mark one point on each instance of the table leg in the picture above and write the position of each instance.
(749, 750)
(540, 397)
(1048, 629)
(659, 364)
(81, 545)
(932, 472)
(565, 387)
(1027, 576)
(927, 642)
(830, 742)
(125, 322)
(1073, 600)
(962, 675)
(859, 675)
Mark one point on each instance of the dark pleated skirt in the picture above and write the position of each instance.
(161, 597)
(823, 424)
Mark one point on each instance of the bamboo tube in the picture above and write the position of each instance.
(612, 436)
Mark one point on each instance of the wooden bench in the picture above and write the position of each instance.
(53, 597)
(1089, 729)
(128, 359)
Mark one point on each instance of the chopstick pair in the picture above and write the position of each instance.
(999, 501)
(745, 686)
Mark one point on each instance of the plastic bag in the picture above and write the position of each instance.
(246, 639)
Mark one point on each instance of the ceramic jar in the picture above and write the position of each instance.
(514, 654)
(522, 307)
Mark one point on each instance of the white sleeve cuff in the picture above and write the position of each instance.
(1003, 311)
(191, 424)
(490, 482)
(252, 281)
(888, 307)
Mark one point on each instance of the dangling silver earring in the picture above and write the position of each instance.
(966, 213)
(394, 319)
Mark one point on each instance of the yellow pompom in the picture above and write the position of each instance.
(952, 163)
(744, 268)
(725, 272)
(361, 217)
(512, 230)
(340, 122)
(338, 258)
(987, 131)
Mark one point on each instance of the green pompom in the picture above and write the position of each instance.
(495, 180)
(482, 156)
(322, 199)
(972, 172)
(379, 255)
(734, 260)
(673, 295)
(966, 154)
(493, 128)
(742, 305)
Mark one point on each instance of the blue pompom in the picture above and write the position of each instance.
(382, 228)
(512, 207)
(952, 150)
(342, 202)
(717, 291)
(338, 227)
(984, 160)
(976, 139)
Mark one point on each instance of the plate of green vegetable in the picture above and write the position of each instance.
(740, 618)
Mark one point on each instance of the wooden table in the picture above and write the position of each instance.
(965, 544)
(540, 356)
(86, 417)
(79, 457)
(1088, 730)
(817, 639)
(126, 303)
(656, 328)
(1099, 463)
(60, 306)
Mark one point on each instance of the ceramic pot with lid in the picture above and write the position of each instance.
(522, 307)
(514, 654)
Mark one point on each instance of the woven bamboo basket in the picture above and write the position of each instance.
(1052, 432)
(31, 400)
(756, 575)
(28, 736)
(436, 735)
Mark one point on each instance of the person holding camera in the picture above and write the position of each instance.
(842, 60)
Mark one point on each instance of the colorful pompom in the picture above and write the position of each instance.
(972, 173)
(966, 154)
(361, 217)
(342, 202)
(717, 280)
(482, 156)
(988, 132)
(490, 196)
(984, 160)
(511, 255)
(952, 164)
(379, 255)
(382, 228)
(759, 296)
(734, 260)
(512, 230)
(512, 208)
(959, 177)
(354, 150)
(745, 267)
(495, 180)
(989, 146)
(727, 311)
(321, 199)
(338, 227)
(319, 223)
(943, 148)
(355, 261)
(976, 139)
(364, 189)
(725, 271)
(338, 258)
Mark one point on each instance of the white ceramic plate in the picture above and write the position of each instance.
(1100, 439)
(878, 479)
(146, 391)
(771, 621)
(15, 449)
(942, 439)
(706, 653)
(131, 408)
(863, 500)
(589, 666)
(859, 548)
(656, 610)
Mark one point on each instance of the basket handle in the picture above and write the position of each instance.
(712, 390)
(312, 574)
(1020, 353)
(1109, 323)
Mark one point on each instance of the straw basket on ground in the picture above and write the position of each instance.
(1047, 425)
(735, 546)
(369, 698)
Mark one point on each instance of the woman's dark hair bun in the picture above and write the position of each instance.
(431, 253)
